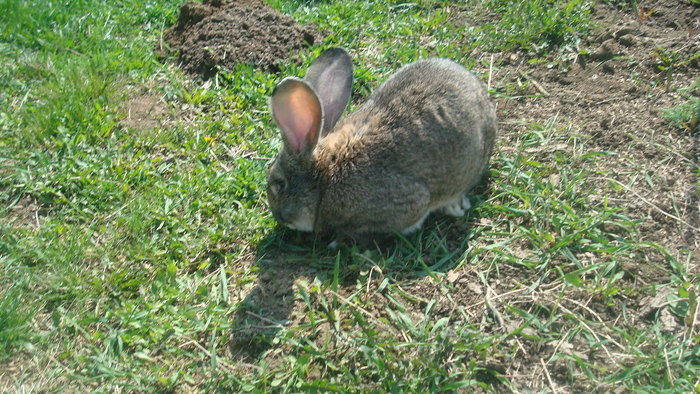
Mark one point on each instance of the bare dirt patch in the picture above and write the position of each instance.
(220, 34)
(145, 111)
(26, 212)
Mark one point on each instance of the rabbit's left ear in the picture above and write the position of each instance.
(298, 113)
(331, 77)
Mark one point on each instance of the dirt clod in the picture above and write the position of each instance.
(220, 34)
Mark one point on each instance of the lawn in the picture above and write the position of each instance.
(137, 252)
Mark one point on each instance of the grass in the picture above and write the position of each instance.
(549, 25)
(146, 259)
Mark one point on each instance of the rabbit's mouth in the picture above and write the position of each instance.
(300, 220)
(304, 222)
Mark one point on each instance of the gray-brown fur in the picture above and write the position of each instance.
(421, 141)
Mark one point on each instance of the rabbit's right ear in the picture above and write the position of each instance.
(331, 77)
(298, 113)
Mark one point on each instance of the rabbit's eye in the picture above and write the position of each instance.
(277, 186)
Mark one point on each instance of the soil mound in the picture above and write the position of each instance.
(219, 34)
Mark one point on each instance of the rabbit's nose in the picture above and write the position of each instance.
(280, 217)
(285, 215)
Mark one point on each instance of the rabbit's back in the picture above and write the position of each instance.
(438, 111)
(422, 139)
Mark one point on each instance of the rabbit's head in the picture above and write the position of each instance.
(305, 110)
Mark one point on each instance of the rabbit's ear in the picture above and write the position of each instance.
(331, 77)
(298, 113)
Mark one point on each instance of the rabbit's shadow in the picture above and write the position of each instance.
(268, 308)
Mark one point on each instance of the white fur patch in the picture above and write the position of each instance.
(415, 226)
(305, 222)
(457, 207)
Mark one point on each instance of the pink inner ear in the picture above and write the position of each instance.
(297, 111)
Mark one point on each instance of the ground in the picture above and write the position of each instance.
(575, 270)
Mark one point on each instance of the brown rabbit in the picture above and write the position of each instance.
(419, 144)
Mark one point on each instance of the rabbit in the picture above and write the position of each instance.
(419, 144)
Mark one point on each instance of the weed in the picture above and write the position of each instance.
(685, 115)
(668, 62)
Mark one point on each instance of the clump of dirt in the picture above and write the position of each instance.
(220, 34)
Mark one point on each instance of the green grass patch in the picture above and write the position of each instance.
(544, 24)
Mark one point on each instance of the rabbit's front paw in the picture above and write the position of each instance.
(415, 226)
(457, 207)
